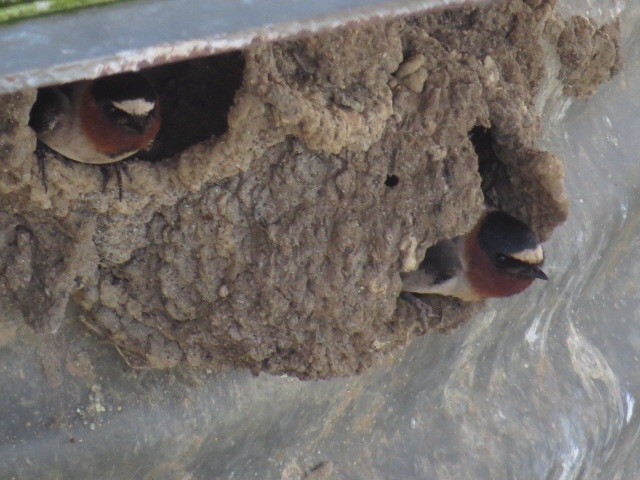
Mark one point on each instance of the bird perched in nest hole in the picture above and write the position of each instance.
(98, 122)
(499, 257)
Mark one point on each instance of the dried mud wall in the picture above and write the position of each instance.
(275, 241)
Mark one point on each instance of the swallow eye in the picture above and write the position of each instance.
(111, 110)
(501, 259)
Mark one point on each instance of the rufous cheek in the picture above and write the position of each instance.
(108, 138)
(485, 278)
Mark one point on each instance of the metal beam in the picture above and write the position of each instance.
(129, 36)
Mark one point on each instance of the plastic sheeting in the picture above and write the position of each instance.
(542, 385)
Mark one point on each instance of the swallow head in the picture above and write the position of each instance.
(503, 256)
(511, 246)
(128, 102)
(119, 116)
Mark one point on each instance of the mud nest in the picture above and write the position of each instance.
(268, 226)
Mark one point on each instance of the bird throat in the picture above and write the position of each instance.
(485, 278)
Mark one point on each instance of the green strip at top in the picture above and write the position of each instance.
(15, 10)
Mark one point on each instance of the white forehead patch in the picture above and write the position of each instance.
(532, 256)
(137, 107)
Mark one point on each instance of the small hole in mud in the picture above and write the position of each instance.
(392, 181)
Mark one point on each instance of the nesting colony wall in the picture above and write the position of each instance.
(290, 185)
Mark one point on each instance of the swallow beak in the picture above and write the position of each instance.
(540, 274)
(137, 124)
(527, 271)
(536, 272)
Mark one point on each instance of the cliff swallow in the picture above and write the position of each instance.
(98, 122)
(499, 257)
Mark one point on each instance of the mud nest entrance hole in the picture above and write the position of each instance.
(490, 168)
(195, 97)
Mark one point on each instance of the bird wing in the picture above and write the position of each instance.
(441, 263)
(46, 112)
